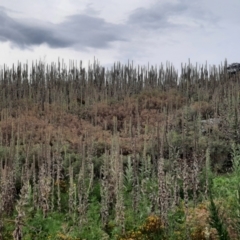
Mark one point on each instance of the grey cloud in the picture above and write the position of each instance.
(82, 31)
(4, 9)
(90, 31)
(90, 10)
(77, 31)
(24, 34)
(157, 16)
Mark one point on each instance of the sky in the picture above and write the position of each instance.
(142, 31)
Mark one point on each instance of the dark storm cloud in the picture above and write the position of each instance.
(77, 31)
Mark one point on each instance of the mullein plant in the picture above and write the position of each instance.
(148, 186)
(8, 190)
(174, 172)
(52, 197)
(208, 172)
(44, 190)
(119, 207)
(112, 202)
(162, 191)
(197, 159)
(105, 195)
(84, 185)
(21, 205)
(72, 195)
(35, 185)
(163, 195)
(176, 176)
(185, 192)
(59, 167)
(135, 182)
(146, 163)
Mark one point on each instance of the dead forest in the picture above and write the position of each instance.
(130, 152)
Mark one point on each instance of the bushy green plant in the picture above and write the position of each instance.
(176, 223)
(92, 229)
(216, 220)
(39, 227)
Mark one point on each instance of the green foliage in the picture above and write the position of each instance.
(216, 220)
(8, 228)
(176, 223)
(39, 227)
(92, 228)
(220, 152)
(72, 159)
(3, 152)
(175, 139)
(236, 159)
(97, 162)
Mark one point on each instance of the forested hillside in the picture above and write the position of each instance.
(129, 152)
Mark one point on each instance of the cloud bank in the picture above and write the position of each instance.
(77, 31)
(81, 31)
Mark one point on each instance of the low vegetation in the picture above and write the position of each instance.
(131, 153)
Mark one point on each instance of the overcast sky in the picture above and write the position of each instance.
(142, 31)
